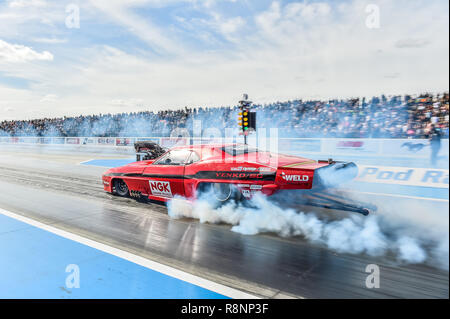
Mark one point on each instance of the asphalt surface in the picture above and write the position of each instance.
(51, 187)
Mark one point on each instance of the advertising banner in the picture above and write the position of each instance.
(88, 140)
(124, 141)
(169, 142)
(106, 140)
(426, 177)
(45, 140)
(28, 140)
(72, 140)
(58, 140)
(351, 146)
(149, 139)
(412, 148)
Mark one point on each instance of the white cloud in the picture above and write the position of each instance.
(49, 98)
(50, 40)
(121, 14)
(230, 26)
(20, 53)
(411, 43)
(26, 3)
(306, 11)
(267, 19)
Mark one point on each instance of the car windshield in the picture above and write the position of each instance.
(175, 157)
(235, 150)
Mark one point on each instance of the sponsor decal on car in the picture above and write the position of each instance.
(246, 193)
(227, 175)
(266, 169)
(294, 178)
(160, 188)
(244, 169)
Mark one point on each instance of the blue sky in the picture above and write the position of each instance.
(153, 54)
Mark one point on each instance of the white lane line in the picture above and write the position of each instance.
(83, 162)
(396, 195)
(166, 270)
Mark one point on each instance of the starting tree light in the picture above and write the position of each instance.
(246, 119)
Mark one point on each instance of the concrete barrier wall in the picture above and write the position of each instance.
(417, 148)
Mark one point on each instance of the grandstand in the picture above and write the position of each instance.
(377, 117)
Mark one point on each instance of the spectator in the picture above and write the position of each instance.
(434, 136)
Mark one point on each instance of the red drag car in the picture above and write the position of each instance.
(230, 172)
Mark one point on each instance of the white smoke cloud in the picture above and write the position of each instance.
(409, 250)
(355, 234)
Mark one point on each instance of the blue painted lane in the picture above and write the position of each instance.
(33, 265)
(109, 162)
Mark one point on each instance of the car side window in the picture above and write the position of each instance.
(176, 157)
(193, 158)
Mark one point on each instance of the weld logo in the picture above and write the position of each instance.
(294, 178)
(159, 188)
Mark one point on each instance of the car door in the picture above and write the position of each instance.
(165, 176)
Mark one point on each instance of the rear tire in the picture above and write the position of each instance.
(221, 193)
(121, 188)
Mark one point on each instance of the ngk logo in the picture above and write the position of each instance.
(159, 188)
(294, 178)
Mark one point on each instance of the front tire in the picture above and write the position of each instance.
(121, 188)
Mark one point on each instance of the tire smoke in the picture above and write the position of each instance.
(355, 234)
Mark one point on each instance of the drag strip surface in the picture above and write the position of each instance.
(56, 191)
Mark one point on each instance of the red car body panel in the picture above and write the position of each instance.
(251, 172)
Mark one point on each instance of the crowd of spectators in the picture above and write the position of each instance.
(378, 117)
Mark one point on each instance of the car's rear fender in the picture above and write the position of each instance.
(322, 175)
